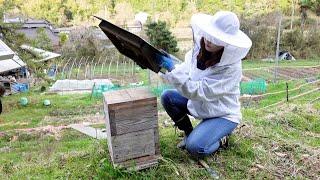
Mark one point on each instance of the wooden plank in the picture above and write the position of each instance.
(125, 95)
(108, 129)
(132, 145)
(132, 120)
(130, 104)
(156, 141)
(139, 163)
(139, 93)
(90, 131)
(114, 97)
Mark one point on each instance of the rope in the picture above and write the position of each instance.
(273, 93)
(294, 97)
(249, 69)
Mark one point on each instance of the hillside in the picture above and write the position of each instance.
(69, 12)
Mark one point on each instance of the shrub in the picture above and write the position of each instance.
(63, 37)
(263, 38)
(42, 40)
(294, 42)
(160, 36)
(304, 44)
(263, 33)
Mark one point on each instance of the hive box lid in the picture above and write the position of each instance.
(132, 46)
(127, 95)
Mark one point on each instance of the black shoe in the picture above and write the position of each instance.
(182, 143)
(184, 124)
(224, 142)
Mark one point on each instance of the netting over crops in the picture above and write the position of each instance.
(257, 86)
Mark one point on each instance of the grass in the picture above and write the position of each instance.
(43, 157)
(247, 64)
(17, 116)
(270, 99)
(279, 142)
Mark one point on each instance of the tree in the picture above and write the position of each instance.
(42, 40)
(304, 6)
(5, 6)
(63, 37)
(112, 6)
(160, 36)
(68, 14)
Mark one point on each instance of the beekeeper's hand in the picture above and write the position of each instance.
(165, 62)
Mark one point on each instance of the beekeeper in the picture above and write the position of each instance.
(207, 82)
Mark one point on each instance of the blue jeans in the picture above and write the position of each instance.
(205, 137)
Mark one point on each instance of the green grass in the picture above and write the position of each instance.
(291, 129)
(43, 157)
(247, 64)
(32, 115)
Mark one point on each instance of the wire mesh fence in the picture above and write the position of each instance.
(88, 73)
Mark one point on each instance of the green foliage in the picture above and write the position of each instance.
(68, 14)
(112, 6)
(42, 40)
(306, 3)
(5, 5)
(80, 43)
(263, 33)
(208, 7)
(79, 11)
(63, 38)
(313, 5)
(293, 41)
(262, 37)
(302, 44)
(161, 37)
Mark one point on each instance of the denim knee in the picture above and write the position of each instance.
(195, 148)
(165, 97)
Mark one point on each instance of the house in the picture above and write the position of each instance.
(13, 71)
(29, 28)
(10, 63)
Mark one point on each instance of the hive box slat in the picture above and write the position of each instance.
(156, 141)
(140, 163)
(133, 145)
(132, 127)
(131, 122)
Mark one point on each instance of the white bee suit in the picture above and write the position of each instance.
(213, 92)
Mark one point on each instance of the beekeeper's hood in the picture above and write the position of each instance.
(222, 29)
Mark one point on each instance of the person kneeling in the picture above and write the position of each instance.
(207, 82)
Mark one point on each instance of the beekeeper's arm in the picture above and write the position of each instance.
(208, 88)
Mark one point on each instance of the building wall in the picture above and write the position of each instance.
(31, 33)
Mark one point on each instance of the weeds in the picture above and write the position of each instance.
(278, 142)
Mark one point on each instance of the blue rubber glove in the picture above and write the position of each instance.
(165, 62)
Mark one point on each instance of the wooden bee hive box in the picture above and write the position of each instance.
(132, 128)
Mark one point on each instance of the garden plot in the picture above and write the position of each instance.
(283, 73)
